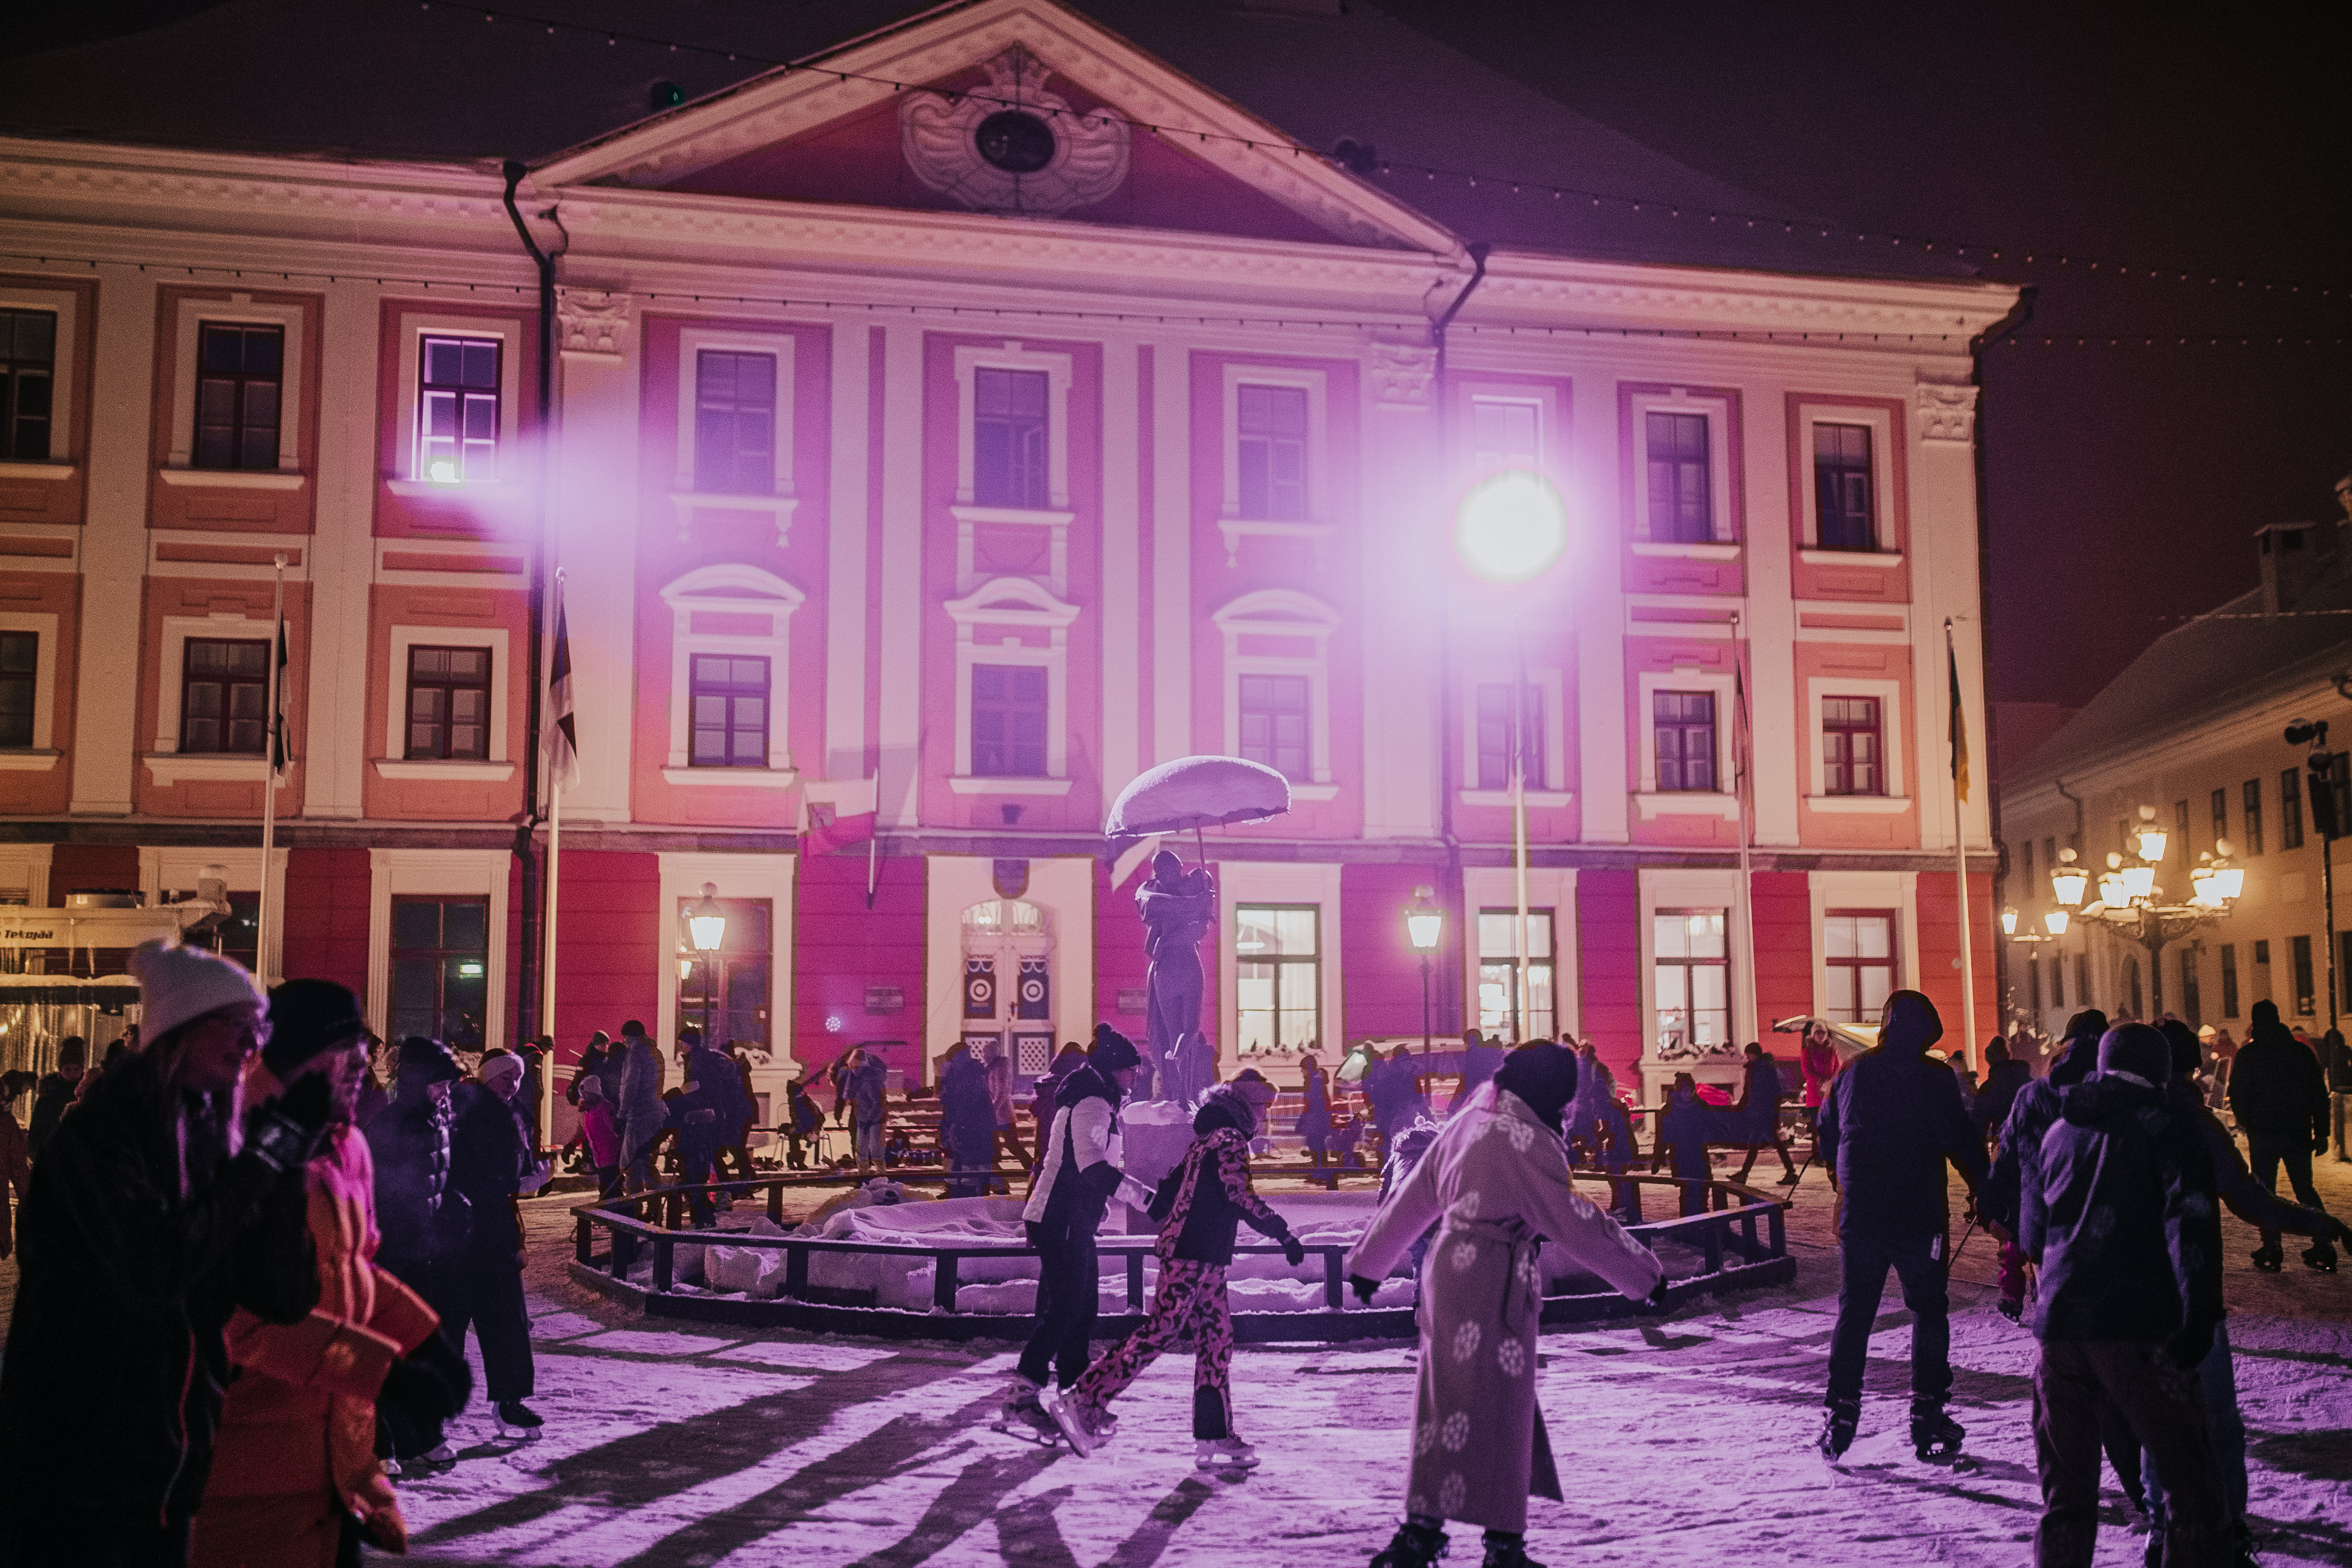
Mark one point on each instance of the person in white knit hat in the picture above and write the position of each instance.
(156, 1210)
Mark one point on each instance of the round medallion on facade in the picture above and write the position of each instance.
(1015, 141)
(1012, 146)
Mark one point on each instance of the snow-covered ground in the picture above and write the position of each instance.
(1682, 1440)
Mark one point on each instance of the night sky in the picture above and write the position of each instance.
(2125, 482)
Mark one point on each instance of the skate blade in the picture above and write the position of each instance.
(518, 1434)
(1026, 1433)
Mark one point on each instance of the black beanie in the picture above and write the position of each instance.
(1113, 1051)
(308, 1017)
(2187, 1056)
(1543, 1073)
(2139, 1049)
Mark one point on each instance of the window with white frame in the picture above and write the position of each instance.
(440, 963)
(449, 703)
(1012, 722)
(1845, 488)
(20, 665)
(1500, 741)
(1858, 955)
(240, 372)
(1683, 461)
(1505, 432)
(1271, 430)
(1856, 764)
(1690, 981)
(1499, 982)
(1682, 490)
(224, 695)
(1276, 723)
(729, 676)
(458, 414)
(1682, 729)
(1852, 746)
(734, 422)
(28, 353)
(1277, 632)
(1009, 718)
(1278, 969)
(729, 697)
(1011, 438)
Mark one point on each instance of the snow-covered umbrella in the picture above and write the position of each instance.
(1197, 792)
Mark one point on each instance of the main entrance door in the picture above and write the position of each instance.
(1008, 985)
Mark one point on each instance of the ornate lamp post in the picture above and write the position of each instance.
(706, 924)
(1424, 926)
(2134, 907)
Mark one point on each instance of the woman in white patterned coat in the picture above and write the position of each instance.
(1495, 1185)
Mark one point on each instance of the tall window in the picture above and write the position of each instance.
(728, 693)
(2253, 790)
(1273, 453)
(2192, 1001)
(2291, 809)
(2339, 776)
(2263, 992)
(1495, 735)
(1683, 723)
(238, 373)
(1841, 486)
(2305, 983)
(1008, 721)
(1497, 959)
(726, 994)
(458, 410)
(20, 661)
(2081, 980)
(449, 704)
(1682, 497)
(2132, 999)
(2220, 814)
(440, 968)
(2228, 980)
(1690, 982)
(1505, 434)
(224, 695)
(1279, 969)
(1008, 439)
(1275, 723)
(1859, 947)
(2029, 862)
(2058, 980)
(734, 423)
(1852, 752)
(2181, 832)
(28, 356)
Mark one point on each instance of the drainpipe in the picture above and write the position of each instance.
(1449, 716)
(526, 1011)
(2006, 327)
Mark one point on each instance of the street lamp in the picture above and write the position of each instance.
(2054, 921)
(1425, 924)
(2068, 878)
(2133, 906)
(2148, 838)
(706, 922)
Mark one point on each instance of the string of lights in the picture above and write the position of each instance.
(1364, 161)
(1188, 318)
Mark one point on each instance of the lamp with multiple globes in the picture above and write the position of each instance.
(2133, 905)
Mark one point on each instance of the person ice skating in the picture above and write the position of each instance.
(54, 1095)
(1482, 1058)
(600, 1136)
(967, 1123)
(707, 1116)
(2281, 1101)
(1200, 1204)
(2004, 1076)
(1495, 1185)
(1818, 1059)
(1178, 908)
(2123, 1226)
(296, 1482)
(1756, 1119)
(1314, 1125)
(2017, 1160)
(423, 1225)
(1687, 1124)
(1599, 1117)
(1080, 1171)
(147, 1225)
(482, 1287)
(802, 1121)
(1892, 1119)
(867, 1083)
(638, 1105)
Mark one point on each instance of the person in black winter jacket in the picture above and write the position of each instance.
(2280, 1099)
(146, 1226)
(54, 1096)
(481, 1286)
(2018, 1158)
(423, 1225)
(1200, 1206)
(2005, 1076)
(1891, 1119)
(707, 1116)
(2123, 1228)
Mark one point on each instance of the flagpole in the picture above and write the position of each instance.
(556, 771)
(270, 744)
(1961, 845)
(1742, 752)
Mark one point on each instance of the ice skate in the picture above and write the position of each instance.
(1935, 1434)
(1413, 1546)
(1086, 1428)
(1224, 1454)
(1508, 1554)
(440, 1454)
(2322, 1258)
(1838, 1424)
(1023, 1415)
(2269, 1259)
(518, 1422)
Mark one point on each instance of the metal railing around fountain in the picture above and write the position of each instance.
(1740, 1234)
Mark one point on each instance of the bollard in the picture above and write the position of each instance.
(1135, 1281)
(583, 1244)
(662, 1248)
(776, 1203)
(943, 1282)
(796, 1271)
(1335, 1293)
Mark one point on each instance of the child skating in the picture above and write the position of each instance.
(1200, 1204)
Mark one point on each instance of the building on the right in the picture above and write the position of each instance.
(2191, 740)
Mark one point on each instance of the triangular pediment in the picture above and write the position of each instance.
(1014, 107)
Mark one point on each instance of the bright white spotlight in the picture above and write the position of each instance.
(1511, 527)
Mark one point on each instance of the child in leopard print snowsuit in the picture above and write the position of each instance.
(1200, 1204)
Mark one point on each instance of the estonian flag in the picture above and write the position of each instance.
(560, 741)
(280, 754)
(1959, 724)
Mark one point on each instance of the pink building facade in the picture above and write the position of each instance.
(912, 466)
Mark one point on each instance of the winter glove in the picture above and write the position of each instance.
(285, 1132)
(1293, 1252)
(1363, 1287)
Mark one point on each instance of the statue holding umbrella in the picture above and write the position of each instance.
(1179, 906)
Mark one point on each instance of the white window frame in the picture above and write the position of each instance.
(1890, 721)
(448, 874)
(972, 358)
(1883, 435)
(166, 764)
(1542, 399)
(42, 755)
(1896, 890)
(1552, 888)
(731, 588)
(768, 876)
(684, 499)
(1024, 608)
(1283, 613)
(395, 762)
(24, 869)
(183, 867)
(64, 304)
(1276, 883)
(238, 310)
(1653, 802)
(1550, 685)
(1724, 528)
(415, 326)
(1696, 889)
(1317, 527)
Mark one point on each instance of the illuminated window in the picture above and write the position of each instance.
(729, 697)
(449, 703)
(458, 410)
(1009, 447)
(1851, 746)
(1497, 960)
(1682, 494)
(1275, 723)
(224, 695)
(1690, 982)
(1842, 480)
(239, 372)
(1858, 947)
(28, 352)
(1505, 432)
(1494, 718)
(1008, 721)
(1683, 723)
(1279, 969)
(726, 994)
(440, 969)
(1273, 453)
(734, 423)
(20, 663)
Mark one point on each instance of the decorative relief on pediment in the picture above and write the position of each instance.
(1012, 146)
(1401, 373)
(1947, 411)
(591, 322)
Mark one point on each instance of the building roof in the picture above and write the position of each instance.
(441, 82)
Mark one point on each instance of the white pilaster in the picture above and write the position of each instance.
(1783, 758)
(1172, 552)
(1122, 581)
(341, 557)
(902, 611)
(845, 588)
(594, 531)
(114, 546)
